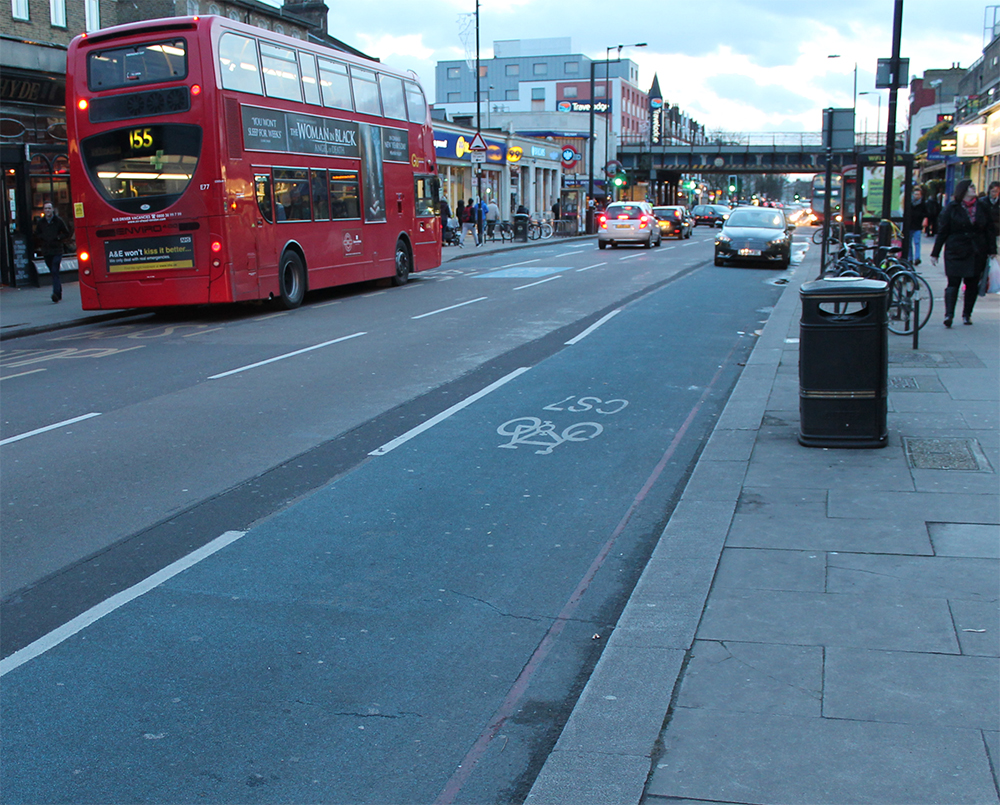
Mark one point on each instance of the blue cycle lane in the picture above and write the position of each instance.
(417, 630)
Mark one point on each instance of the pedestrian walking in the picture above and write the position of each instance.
(51, 234)
(492, 218)
(992, 202)
(467, 219)
(918, 220)
(966, 233)
(555, 210)
(445, 213)
(933, 210)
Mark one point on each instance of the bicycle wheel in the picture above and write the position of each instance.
(534, 232)
(546, 230)
(905, 291)
(817, 237)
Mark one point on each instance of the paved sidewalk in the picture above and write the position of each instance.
(815, 625)
(30, 310)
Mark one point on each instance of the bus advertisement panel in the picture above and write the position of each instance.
(214, 161)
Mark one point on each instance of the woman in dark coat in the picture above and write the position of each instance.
(966, 232)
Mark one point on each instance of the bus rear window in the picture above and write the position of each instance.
(142, 169)
(137, 64)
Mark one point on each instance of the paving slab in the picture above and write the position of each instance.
(753, 678)
(952, 507)
(753, 758)
(820, 619)
(729, 445)
(783, 528)
(965, 539)
(977, 626)
(744, 568)
(923, 576)
(911, 688)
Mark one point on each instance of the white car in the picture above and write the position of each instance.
(628, 222)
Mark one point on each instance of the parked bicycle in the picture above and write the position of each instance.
(539, 229)
(908, 291)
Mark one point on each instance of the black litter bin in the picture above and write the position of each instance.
(521, 228)
(843, 363)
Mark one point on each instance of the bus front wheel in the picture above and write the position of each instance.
(291, 281)
(403, 264)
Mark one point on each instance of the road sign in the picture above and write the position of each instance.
(477, 156)
(478, 143)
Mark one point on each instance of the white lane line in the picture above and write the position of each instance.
(533, 284)
(94, 614)
(593, 327)
(595, 265)
(579, 245)
(287, 355)
(62, 424)
(22, 374)
(631, 256)
(523, 263)
(450, 307)
(434, 420)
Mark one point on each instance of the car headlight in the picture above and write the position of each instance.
(778, 241)
(723, 239)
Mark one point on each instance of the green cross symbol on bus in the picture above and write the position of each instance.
(157, 160)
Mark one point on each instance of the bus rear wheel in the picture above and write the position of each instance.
(291, 281)
(404, 264)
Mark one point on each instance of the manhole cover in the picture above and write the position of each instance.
(946, 454)
(900, 383)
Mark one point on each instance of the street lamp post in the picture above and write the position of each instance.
(593, 104)
(854, 104)
(878, 115)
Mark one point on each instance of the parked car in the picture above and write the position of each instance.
(755, 234)
(674, 221)
(628, 222)
(710, 214)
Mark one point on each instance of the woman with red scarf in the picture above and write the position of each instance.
(966, 231)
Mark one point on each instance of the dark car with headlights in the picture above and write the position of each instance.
(710, 214)
(755, 234)
(674, 221)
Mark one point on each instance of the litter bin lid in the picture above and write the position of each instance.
(844, 286)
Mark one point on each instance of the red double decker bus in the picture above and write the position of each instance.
(216, 162)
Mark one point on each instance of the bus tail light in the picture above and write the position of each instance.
(84, 259)
(196, 89)
(82, 104)
(216, 248)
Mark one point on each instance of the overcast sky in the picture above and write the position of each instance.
(736, 65)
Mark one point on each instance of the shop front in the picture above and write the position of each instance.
(33, 159)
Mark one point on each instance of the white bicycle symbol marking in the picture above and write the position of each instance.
(531, 430)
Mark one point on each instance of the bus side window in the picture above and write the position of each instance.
(392, 96)
(309, 81)
(415, 103)
(321, 196)
(291, 191)
(365, 91)
(335, 85)
(263, 184)
(238, 63)
(281, 72)
(425, 196)
(344, 195)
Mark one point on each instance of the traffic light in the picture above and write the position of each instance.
(732, 183)
(620, 180)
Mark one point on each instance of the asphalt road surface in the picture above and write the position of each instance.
(416, 514)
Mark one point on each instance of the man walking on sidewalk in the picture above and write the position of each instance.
(51, 233)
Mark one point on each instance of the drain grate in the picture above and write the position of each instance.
(946, 454)
(903, 383)
(917, 383)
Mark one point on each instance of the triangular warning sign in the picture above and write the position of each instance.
(478, 143)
